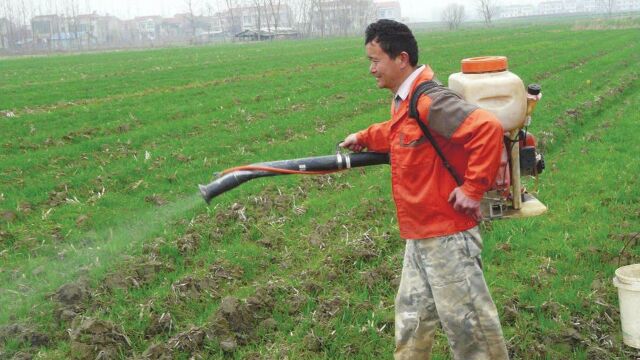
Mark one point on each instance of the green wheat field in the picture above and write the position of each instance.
(108, 251)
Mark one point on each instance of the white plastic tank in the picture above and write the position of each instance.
(486, 82)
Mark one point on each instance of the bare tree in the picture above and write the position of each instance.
(73, 21)
(610, 5)
(487, 9)
(274, 6)
(7, 26)
(300, 14)
(258, 6)
(364, 14)
(232, 5)
(266, 12)
(453, 15)
(192, 19)
(318, 8)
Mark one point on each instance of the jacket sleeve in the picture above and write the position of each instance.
(482, 136)
(376, 137)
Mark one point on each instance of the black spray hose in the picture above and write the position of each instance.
(312, 165)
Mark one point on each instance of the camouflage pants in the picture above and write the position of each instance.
(442, 281)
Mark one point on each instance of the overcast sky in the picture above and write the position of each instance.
(127, 9)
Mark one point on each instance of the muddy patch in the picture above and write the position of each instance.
(97, 339)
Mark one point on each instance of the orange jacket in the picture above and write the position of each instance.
(420, 183)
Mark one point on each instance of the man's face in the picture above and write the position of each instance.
(386, 70)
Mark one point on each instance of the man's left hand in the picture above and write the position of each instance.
(464, 204)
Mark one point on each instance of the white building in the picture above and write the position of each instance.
(388, 10)
(551, 7)
(510, 11)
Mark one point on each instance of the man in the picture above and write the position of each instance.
(442, 277)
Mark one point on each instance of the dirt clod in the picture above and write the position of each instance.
(23, 334)
(379, 275)
(22, 356)
(157, 352)
(237, 316)
(190, 340)
(510, 311)
(296, 303)
(269, 324)
(81, 220)
(238, 321)
(136, 274)
(25, 208)
(72, 293)
(329, 308)
(8, 216)
(156, 200)
(93, 338)
(192, 288)
(229, 345)
(188, 243)
(159, 324)
(312, 342)
(223, 270)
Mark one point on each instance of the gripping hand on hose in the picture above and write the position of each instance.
(351, 143)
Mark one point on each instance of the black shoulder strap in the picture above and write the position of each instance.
(413, 113)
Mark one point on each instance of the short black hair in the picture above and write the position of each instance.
(393, 38)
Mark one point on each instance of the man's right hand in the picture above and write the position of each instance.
(351, 143)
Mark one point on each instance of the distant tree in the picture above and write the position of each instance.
(232, 7)
(300, 15)
(274, 7)
(611, 6)
(6, 13)
(191, 18)
(258, 5)
(267, 17)
(318, 8)
(488, 10)
(364, 13)
(73, 21)
(453, 15)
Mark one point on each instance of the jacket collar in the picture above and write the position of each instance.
(405, 88)
(425, 75)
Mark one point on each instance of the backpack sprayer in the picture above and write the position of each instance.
(484, 82)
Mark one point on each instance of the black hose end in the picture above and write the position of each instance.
(205, 196)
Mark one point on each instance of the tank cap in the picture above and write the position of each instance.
(534, 89)
(484, 64)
